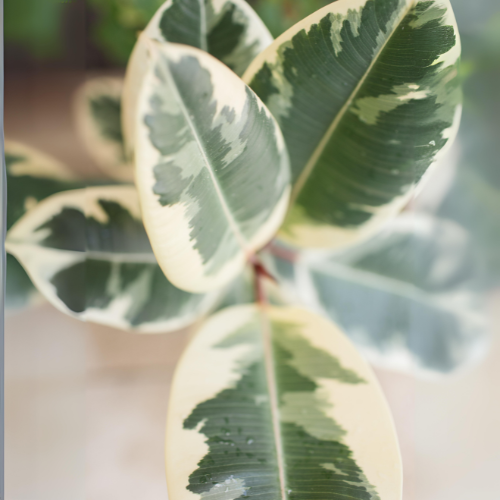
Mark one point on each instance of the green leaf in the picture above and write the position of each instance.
(227, 29)
(31, 177)
(276, 403)
(409, 298)
(98, 119)
(211, 168)
(88, 253)
(367, 95)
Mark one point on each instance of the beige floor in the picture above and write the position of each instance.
(85, 411)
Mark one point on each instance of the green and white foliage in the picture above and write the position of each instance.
(97, 112)
(211, 168)
(409, 298)
(290, 411)
(31, 177)
(87, 251)
(367, 95)
(227, 29)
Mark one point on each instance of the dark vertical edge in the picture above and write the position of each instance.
(3, 223)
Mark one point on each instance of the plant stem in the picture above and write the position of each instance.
(260, 273)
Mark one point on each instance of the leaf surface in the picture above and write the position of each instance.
(409, 298)
(211, 168)
(275, 403)
(229, 30)
(367, 95)
(88, 253)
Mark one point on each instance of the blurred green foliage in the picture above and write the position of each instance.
(474, 198)
(35, 25)
(118, 23)
(279, 15)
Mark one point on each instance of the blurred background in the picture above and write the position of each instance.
(86, 404)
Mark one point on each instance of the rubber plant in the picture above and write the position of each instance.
(248, 154)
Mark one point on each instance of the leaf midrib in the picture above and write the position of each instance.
(306, 172)
(112, 257)
(379, 282)
(225, 207)
(273, 397)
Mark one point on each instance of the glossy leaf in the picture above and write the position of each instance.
(98, 119)
(274, 403)
(227, 29)
(211, 168)
(31, 176)
(367, 95)
(88, 253)
(409, 298)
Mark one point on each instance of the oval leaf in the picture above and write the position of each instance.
(31, 177)
(211, 168)
(228, 29)
(98, 114)
(367, 94)
(276, 403)
(409, 298)
(88, 253)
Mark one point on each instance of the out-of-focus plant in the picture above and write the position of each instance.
(118, 23)
(474, 198)
(36, 25)
(248, 157)
(279, 15)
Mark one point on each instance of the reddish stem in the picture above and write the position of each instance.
(260, 273)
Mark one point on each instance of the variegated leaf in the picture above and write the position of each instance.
(367, 95)
(409, 298)
(228, 29)
(275, 403)
(31, 176)
(88, 253)
(98, 117)
(211, 168)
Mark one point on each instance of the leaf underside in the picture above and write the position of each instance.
(409, 298)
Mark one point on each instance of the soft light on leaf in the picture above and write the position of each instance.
(272, 402)
(211, 168)
(87, 251)
(367, 95)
